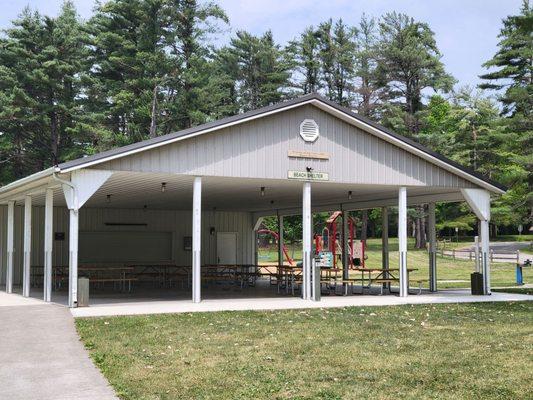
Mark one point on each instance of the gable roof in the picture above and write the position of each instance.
(314, 99)
(261, 112)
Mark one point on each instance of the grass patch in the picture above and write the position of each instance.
(466, 351)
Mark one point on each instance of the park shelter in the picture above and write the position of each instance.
(172, 198)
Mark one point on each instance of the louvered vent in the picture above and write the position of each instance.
(309, 130)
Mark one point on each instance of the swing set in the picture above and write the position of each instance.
(276, 236)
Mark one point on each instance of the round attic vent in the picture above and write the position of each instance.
(309, 130)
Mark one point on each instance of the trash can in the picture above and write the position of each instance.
(83, 292)
(476, 283)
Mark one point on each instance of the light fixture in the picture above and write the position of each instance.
(163, 187)
(349, 195)
(262, 191)
(109, 198)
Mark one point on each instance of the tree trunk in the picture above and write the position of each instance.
(423, 231)
(420, 224)
(364, 225)
(153, 122)
(418, 231)
(54, 137)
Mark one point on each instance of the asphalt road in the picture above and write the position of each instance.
(507, 246)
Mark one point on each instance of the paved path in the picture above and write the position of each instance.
(509, 246)
(41, 355)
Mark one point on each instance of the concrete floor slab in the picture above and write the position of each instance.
(42, 357)
(14, 299)
(282, 303)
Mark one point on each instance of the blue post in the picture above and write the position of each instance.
(519, 276)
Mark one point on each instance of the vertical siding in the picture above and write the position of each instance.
(258, 149)
(3, 245)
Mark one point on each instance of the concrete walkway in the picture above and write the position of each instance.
(283, 303)
(41, 355)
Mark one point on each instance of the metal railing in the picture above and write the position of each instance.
(504, 256)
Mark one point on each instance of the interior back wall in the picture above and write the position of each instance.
(177, 223)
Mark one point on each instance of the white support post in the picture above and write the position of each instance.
(479, 202)
(73, 258)
(306, 240)
(385, 244)
(10, 245)
(432, 248)
(254, 248)
(476, 253)
(402, 241)
(280, 240)
(385, 237)
(83, 184)
(485, 258)
(26, 264)
(345, 260)
(196, 240)
(257, 224)
(48, 244)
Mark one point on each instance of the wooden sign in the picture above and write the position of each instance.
(308, 154)
(308, 176)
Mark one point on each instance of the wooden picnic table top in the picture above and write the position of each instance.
(104, 268)
(381, 269)
(82, 267)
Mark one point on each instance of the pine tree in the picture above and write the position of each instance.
(151, 63)
(262, 71)
(513, 78)
(129, 63)
(369, 92)
(337, 57)
(42, 61)
(221, 92)
(409, 62)
(304, 53)
(191, 24)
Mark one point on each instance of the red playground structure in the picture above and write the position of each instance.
(329, 240)
(276, 236)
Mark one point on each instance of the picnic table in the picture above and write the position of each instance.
(99, 274)
(385, 276)
(290, 276)
(164, 274)
(242, 274)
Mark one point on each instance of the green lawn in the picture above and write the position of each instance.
(450, 272)
(469, 351)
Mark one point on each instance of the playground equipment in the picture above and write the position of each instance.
(329, 240)
(276, 236)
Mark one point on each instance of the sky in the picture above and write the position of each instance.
(466, 30)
